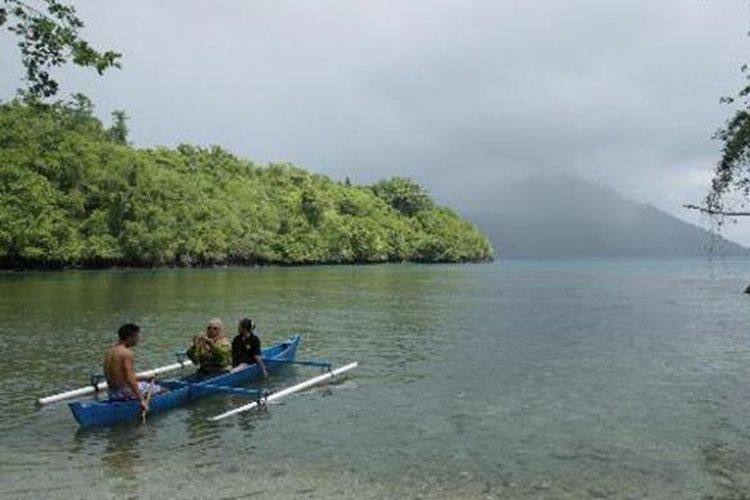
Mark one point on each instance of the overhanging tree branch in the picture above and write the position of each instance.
(48, 40)
(711, 211)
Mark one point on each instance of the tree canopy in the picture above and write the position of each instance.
(74, 193)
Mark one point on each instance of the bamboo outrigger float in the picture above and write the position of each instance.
(181, 391)
(285, 392)
(102, 386)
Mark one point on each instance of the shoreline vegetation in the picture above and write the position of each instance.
(75, 194)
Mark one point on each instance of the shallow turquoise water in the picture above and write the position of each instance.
(595, 379)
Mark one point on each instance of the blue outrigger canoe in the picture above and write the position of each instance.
(92, 413)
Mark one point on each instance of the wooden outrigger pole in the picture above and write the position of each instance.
(285, 392)
(101, 386)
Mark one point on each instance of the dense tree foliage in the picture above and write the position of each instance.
(73, 192)
(48, 37)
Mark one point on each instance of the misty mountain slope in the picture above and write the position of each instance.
(564, 217)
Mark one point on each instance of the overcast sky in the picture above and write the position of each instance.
(459, 95)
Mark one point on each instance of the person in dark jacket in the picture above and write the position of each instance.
(246, 346)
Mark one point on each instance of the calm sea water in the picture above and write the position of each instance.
(595, 379)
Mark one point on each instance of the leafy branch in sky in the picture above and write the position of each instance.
(48, 34)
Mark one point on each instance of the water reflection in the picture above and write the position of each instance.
(118, 452)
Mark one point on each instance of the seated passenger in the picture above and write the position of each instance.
(212, 352)
(246, 346)
(123, 384)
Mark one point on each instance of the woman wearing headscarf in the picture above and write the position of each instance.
(212, 352)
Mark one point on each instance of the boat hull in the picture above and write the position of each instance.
(93, 413)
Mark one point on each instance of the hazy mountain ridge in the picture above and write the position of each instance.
(565, 217)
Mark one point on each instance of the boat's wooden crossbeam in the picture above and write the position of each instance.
(95, 379)
(322, 364)
(240, 391)
(182, 358)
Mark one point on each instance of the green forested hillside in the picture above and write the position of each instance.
(74, 193)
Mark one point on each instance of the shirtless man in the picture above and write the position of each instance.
(119, 371)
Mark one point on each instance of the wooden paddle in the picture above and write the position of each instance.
(148, 400)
